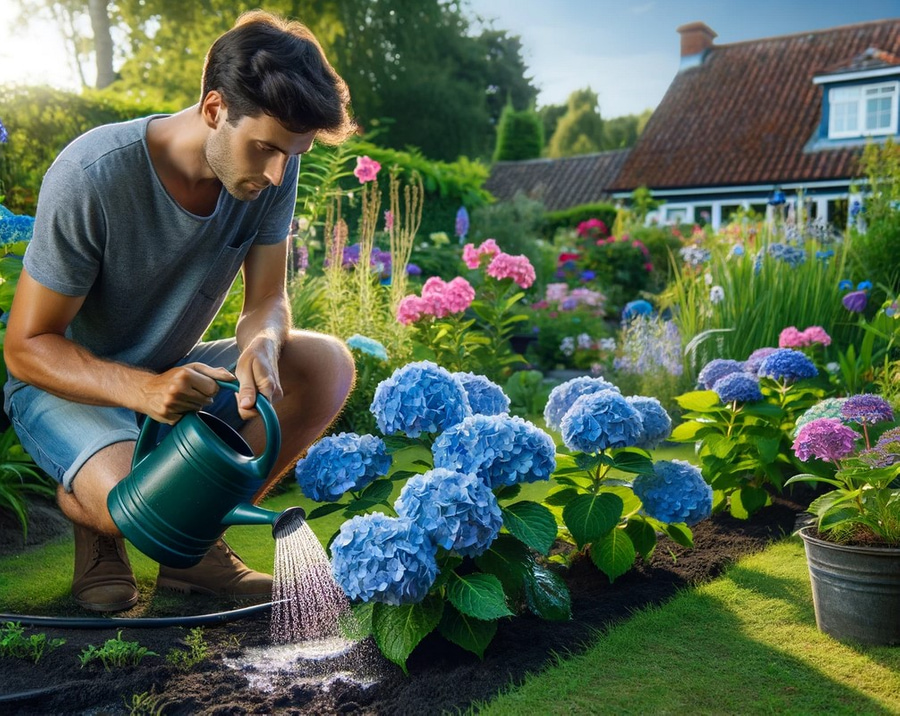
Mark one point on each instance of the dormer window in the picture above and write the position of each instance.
(863, 110)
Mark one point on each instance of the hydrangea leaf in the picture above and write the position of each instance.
(628, 461)
(642, 536)
(323, 510)
(471, 634)
(398, 630)
(762, 410)
(510, 561)
(446, 565)
(630, 501)
(699, 400)
(768, 449)
(614, 554)
(680, 534)
(561, 497)
(508, 492)
(378, 491)
(403, 474)
(395, 443)
(547, 595)
(589, 517)
(746, 501)
(357, 623)
(478, 595)
(531, 523)
(689, 431)
(720, 446)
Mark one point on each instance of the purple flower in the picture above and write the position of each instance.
(413, 270)
(826, 439)
(4, 135)
(754, 361)
(855, 302)
(739, 387)
(886, 452)
(462, 223)
(867, 409)
(717, 369)
(787, 365)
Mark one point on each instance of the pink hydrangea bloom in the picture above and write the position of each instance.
(587, 296)
(366, 169)
(790, 337)
(472, 256)
(442, 298)
(556, 292)
(816, 334)
(826, 439)
(518, 268)
(410, 310)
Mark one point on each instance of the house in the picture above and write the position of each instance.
(742, 123)
(787, 114)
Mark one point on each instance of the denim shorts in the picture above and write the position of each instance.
(61, 436)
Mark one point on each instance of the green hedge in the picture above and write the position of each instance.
(570, 218)
(41, 121)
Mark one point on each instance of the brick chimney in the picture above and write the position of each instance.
(696, 39)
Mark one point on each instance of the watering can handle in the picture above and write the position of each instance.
(263, 463)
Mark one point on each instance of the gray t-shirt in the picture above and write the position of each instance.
(153, 275)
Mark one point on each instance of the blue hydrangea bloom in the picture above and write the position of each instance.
(640, 307)
(787, 365)
(485, 396)
(601, 420)
(457, 510)
(14, 228)
(656, 425)
(376, 558)
(367, 345)
(740, 387)
(675, 492)
(339, 463)
(4, 135)
(563, 397)
(499, 449)
(419, 398)
(717, 369)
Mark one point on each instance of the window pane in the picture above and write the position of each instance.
(878, 113)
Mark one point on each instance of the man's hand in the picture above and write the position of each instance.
(257, 372)
(185, 389)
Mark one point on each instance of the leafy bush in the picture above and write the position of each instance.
(15, 644)
(515, 225)
(115, 653)
(520, 135)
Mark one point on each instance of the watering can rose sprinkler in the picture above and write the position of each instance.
(186, 489)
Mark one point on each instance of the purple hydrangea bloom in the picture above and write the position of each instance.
(741, 387)
(787, 365)
(754, 361)
(376, 558)
(885, 452)
(601, 420)
(339, 463)
(855, 301)
(500, 449)
(563, 397)
(485, 396)
(717, 369)
(826, 439)
(457, 510)
(656, 425)
(827, 408)
(419, 398)
(413, 269)
(866, 409)
(674, 492)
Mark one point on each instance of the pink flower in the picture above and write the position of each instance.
(518, 268)
(816, 334)
(388, 220)
(366, 169)
(441, 298)
(556, 292)
(648, 266)
(591, 226)
(790, 337)
(411, 309)
(472, 256)
(826, 439)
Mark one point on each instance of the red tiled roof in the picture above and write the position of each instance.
(871, 59)
(558, 183)
(746, 113)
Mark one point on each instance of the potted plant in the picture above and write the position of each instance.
(853, 550)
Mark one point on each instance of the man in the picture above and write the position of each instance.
(140, 230)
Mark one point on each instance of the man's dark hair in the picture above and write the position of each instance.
(268, 65)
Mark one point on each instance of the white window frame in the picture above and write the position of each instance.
(861, 110)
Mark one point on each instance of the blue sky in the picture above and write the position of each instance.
(628, 51)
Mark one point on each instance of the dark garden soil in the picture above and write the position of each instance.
(442, 677)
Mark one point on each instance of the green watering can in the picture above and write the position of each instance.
(185, 490)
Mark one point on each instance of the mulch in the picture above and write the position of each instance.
(442, 677)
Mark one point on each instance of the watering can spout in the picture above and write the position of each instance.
(247, 514)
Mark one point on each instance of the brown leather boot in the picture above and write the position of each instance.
(220, 573)
(103, 580)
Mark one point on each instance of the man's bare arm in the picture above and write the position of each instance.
(37, 352)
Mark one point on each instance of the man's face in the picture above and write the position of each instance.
(249, 156)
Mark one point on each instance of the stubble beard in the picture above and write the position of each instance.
(218, 157)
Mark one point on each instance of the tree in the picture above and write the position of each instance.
(580, 129)
(520, 135)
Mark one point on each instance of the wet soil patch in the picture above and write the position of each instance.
(442, 677)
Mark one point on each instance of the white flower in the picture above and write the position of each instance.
(832, 368)
(567, 346)
(585, 342)
(717, 294)
(607, 344)
(708, 278)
